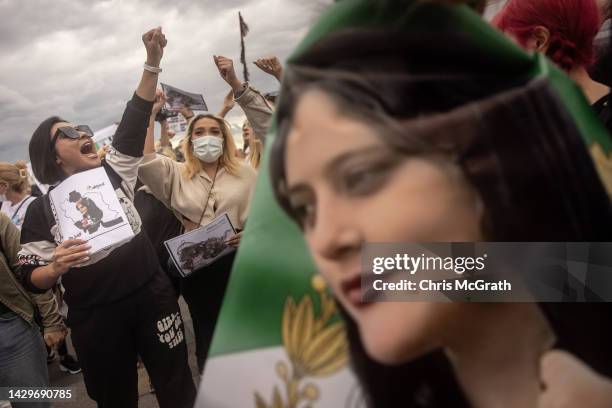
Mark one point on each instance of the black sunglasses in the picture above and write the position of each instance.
(71, 132)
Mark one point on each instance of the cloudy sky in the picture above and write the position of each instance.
(82, 59)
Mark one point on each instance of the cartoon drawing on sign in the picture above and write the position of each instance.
(91, 216)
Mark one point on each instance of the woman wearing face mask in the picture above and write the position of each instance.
(210, 182)
(15, 191)
(388, 142)
(121, 304)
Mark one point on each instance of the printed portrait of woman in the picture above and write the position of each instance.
(388, 142)
(92, 214)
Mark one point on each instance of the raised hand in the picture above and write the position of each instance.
(228, 104)
(228, 101)
(154, 41)
(270, 66)
(160, 100)
(227, 72)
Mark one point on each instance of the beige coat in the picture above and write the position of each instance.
(257, 110)
(231, 193)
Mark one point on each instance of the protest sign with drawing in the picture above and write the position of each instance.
(177, 99)
(85, 206)
(201, 247)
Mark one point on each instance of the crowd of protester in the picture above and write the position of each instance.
(330, 97)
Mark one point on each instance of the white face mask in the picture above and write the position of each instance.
(208, 148)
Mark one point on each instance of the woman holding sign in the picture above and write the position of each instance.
(122, 305)
(210, 182)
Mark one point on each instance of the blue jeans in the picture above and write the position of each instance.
(23, 361)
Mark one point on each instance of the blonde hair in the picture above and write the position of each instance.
(16, 176)
(102, 151)
(228, 160)
(254, 156)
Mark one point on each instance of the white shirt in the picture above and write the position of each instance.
(17, 212)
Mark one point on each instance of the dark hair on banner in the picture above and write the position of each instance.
(513, 139)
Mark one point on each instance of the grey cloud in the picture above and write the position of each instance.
(82, 59)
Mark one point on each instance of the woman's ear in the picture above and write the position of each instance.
(539, 40)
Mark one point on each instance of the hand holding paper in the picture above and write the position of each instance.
(68, 254)
(234, 240)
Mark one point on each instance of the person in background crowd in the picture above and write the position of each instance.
(565, 31)
(252, 148)
(255, 106)
(375, 150)
(15, 191)
(601, 71)
(210, 182)
(22, 350)
(163, 146)
(122, 304)
(15, 197)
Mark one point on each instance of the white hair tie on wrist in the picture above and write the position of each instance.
(155, 70)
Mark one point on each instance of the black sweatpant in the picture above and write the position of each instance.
(203, 292)
(108, 339)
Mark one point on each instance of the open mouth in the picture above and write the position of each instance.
(88, 149)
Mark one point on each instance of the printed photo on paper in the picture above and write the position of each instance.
(86, 207)
(201, 247)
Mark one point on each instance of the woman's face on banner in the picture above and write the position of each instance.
(348, 188)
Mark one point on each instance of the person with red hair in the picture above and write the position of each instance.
(564, 30)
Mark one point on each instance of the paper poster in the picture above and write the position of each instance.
(177, 98)
(202, 246)
(86, 207)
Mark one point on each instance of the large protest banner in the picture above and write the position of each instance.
(279, 340)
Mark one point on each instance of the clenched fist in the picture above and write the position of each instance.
(227, 72)
(54, 339)
(154, 41)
